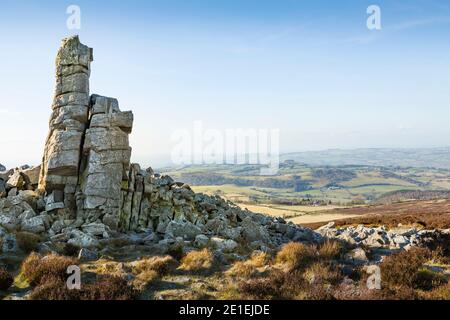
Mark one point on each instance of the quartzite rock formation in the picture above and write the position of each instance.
(87, 154)
(86, 192)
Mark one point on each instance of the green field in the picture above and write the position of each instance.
(301, 184)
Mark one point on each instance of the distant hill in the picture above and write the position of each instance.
(384, 157)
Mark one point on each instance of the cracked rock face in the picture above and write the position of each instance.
(87, 153)
(68, 121)
(105, 161)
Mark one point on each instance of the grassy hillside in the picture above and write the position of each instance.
(301, 184)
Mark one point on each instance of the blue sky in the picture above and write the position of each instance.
(309, 68)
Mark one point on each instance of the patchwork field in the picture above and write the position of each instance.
(301, 184)
(314, 195)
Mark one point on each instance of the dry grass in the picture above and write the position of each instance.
(295, 255)
(198, 261)
(249, 268)
(313, 274)
(428, 214)
(27, 241)
(439, 293)
(285, 286)
(161, 265)
(104, 288)
(306, 277)
(401, 269)
(110, 288)
(35, 268)
(176, 251)
(70, 250)
(6, 279)
(330, 250)
(277, 285)
(150, 269)
(144, 279)
(321, 273)
(107, 267)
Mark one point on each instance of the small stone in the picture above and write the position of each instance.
(81, 239)
(54, 206)
(87, 255)
(12, 192)
(34, 225)
(224, 244)
(357, 257)
(201, 241)
(32, 175)
(95, 229)
(15, 181)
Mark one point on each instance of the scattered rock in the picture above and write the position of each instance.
(31, 176)
(201, 241)
(357, 257)
(81, 239)
(87, 255)
(16, 180)
(3, 192)
(96, 229)
(8, 243)
(225, 245)
(186, 230)
(34, 225)
(4, 175)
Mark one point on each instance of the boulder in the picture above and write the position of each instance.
(357, 257)
(16, 180)
(187, 230)
(32, 175)
(201, 241)
(12, 192)
(252, 231)
(35, 224)
(400, 240)
(96, 229)
(81, 239)
(87, 255)
(225, 245)
(9, 243)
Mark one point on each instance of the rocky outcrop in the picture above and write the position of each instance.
(88, 192)
(381, 238)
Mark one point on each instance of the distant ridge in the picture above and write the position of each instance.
(394, 157)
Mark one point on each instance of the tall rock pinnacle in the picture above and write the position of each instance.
(68, 122)
(87, 153)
